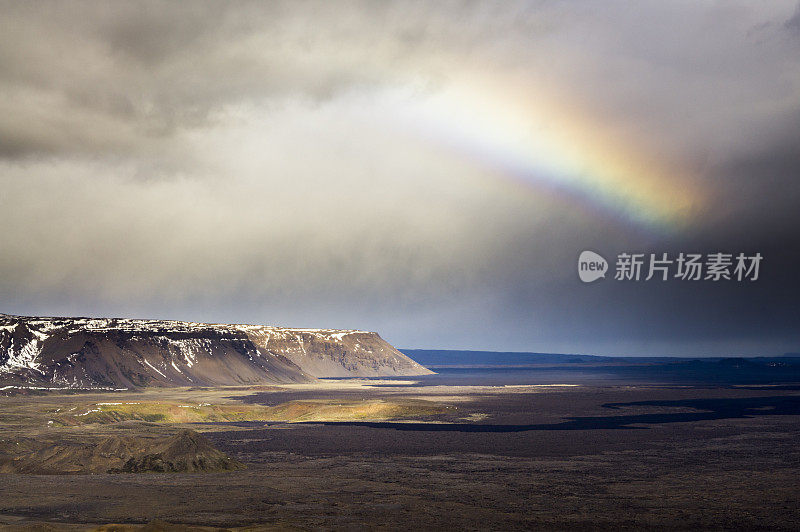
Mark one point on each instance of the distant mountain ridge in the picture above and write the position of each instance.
(454, 357)
(446, 357)
(711, 370)
(135, 353)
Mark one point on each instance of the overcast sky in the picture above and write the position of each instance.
(428, 170)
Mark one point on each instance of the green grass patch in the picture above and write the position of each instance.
(171, 412)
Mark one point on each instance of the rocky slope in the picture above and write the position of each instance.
(185, 452)
(128, 353)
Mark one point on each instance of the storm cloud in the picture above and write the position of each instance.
(261, 162)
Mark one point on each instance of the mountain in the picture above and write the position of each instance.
(133, 353)
(446, 357)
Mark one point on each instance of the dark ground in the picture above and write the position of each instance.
(624, 457)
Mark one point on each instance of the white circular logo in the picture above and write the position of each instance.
(591, 266)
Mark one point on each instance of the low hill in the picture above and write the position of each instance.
(185, 452)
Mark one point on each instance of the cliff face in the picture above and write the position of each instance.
(126, 353)
(334, 353)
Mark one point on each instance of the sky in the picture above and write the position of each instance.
(427, 170)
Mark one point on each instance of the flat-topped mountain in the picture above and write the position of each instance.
(134, 353)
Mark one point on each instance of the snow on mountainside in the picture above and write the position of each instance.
(132, 353)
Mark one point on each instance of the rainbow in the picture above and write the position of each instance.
(530, 139)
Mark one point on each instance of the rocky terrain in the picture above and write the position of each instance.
(184, 452)
(131, 353)
(629, 457)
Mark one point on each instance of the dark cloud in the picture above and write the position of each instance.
(793, 24)
(259, 162)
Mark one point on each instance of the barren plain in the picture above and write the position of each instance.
(348, 454)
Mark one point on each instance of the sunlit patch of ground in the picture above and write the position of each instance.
(477, 416)
(34, 415)
(302, 410)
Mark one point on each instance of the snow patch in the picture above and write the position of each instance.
(154, 368)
